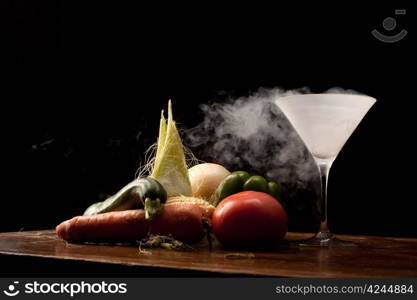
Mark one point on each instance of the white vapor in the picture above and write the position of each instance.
(251, 133)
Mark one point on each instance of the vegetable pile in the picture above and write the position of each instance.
(174, 204)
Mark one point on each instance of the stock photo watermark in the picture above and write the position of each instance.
(389, 24)
(64, 288)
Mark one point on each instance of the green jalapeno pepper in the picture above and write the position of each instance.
(144, 192)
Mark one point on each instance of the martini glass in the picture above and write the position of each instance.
(324, 122)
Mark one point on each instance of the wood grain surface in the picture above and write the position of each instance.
(373, 257)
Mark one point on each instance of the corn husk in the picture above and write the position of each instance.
(170, 167)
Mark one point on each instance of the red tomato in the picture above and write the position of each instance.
(249, 218)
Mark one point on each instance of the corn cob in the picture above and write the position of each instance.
(178, 200)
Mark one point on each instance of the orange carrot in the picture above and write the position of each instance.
(184, 222)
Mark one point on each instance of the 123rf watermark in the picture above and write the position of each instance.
(364, 289)
(64, 288)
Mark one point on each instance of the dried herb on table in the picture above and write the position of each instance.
(162, 241)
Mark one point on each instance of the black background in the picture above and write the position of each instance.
(85, 84)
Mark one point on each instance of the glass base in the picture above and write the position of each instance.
(325, 239)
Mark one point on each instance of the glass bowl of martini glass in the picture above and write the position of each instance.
(324, 123)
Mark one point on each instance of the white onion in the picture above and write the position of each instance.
(205, 178)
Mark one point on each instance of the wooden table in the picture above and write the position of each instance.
(373, 257)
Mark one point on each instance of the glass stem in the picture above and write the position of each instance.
(324, 168)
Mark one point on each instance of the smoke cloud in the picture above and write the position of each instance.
(339, 90)
(251, 133)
